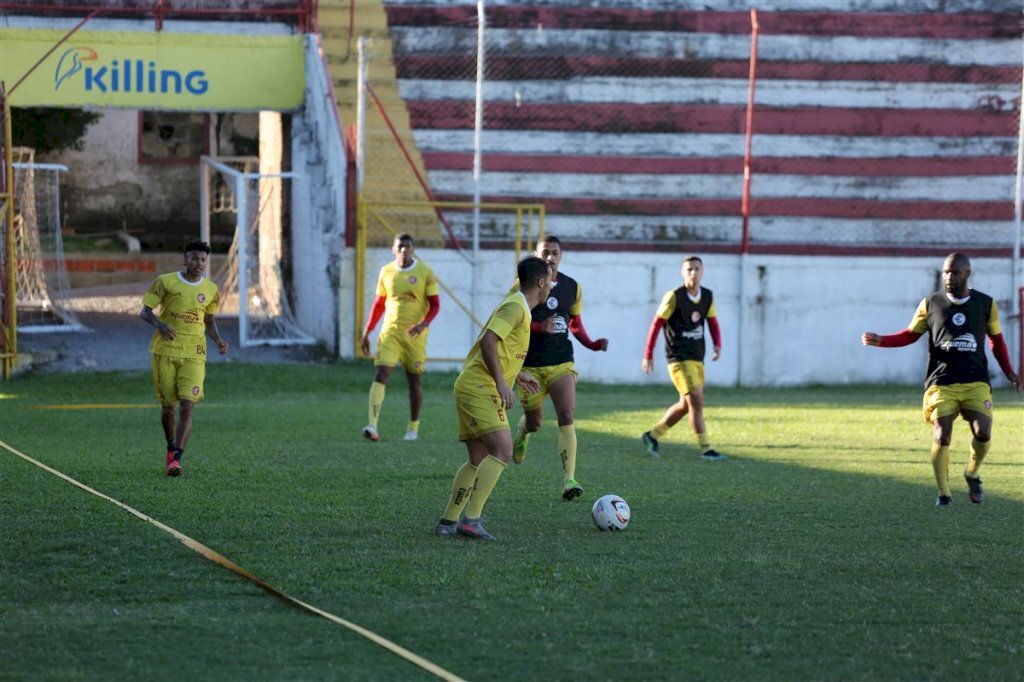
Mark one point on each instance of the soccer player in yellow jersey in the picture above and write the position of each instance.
(188, 303)
(957, 320)
(407, 297)
(483, 395)
(682, 315)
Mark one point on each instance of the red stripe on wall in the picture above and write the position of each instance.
(958, 25)
(873, 166)
(711, 118)
(793, 207)
(558, 67)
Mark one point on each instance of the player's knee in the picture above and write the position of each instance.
(942, 437)
(565, 417)
(533, 422)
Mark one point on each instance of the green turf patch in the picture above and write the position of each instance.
(814, 552)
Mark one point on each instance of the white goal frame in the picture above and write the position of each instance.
(287, 331)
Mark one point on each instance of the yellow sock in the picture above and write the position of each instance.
(413, 426)
(704, 442)
(462, 488)
(940, 463)
(376, 400)
(521, 431)
(659, 430)
(487, 475)
(978, 451)
(567, 450)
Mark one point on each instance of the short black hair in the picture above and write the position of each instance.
(530, 270)
(550, 238)
(198, 246)
(690, 258)
(404, 237)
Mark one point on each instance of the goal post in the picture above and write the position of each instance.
(42, 289)
(253, 282)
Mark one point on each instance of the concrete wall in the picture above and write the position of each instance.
(801, 321)
(318, 206)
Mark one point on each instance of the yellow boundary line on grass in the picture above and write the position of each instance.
(213, 556)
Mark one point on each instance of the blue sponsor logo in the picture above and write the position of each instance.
(126, 75)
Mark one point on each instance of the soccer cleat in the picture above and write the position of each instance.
(472, 528)
(370, 433)
(519, 449)
(651, 443)
(411, 435)
(977, 493)
(943, 501)
(445, 527)
(571, 490)
(174, 468)
(712, 456)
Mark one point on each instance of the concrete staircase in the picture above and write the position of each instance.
(388, 176)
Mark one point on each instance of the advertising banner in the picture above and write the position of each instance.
(154, 70)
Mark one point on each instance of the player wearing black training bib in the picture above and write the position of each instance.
(957, 321)
(550, 361)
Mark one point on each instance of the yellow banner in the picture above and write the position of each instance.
(154, 70)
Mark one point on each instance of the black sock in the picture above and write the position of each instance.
(170, 445)
(178, 454)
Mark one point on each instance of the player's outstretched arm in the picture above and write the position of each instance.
(580, 332)
(897, 340)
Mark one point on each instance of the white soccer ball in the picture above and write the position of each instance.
(610, 512)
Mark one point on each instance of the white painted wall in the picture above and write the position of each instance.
(803, 318)
(318, 204)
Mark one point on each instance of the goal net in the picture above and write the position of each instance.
(254, 208)
(41, 275)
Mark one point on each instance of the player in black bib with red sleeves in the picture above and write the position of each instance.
(957, 320)
(681, 316)
(550, 361)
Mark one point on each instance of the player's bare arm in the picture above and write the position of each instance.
(489, 350)
(214, 333)
(166, 330)
(871, 339)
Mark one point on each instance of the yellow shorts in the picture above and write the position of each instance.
(953, 399)
(687, 375)
(545, 376)
(479, 414)
(178, 378)
(397, 347)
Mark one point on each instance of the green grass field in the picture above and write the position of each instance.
(814, 553)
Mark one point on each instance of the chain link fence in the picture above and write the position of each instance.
(875, 132)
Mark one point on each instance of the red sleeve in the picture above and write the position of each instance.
(433, 306)
(652, 336)
(576, 327)
(1001, 352)
(536, 327)
(899, 339)
(716, 332)
(375, 312)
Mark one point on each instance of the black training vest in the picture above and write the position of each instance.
(956, 335)
(547, 350)
(684, 329)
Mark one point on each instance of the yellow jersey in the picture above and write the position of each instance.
(405, 291)
(510, 321)
(184, 306)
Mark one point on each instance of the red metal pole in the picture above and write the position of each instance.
(745, 205)
(51, 50)
(412, 165)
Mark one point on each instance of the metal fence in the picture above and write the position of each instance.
(886, 132)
